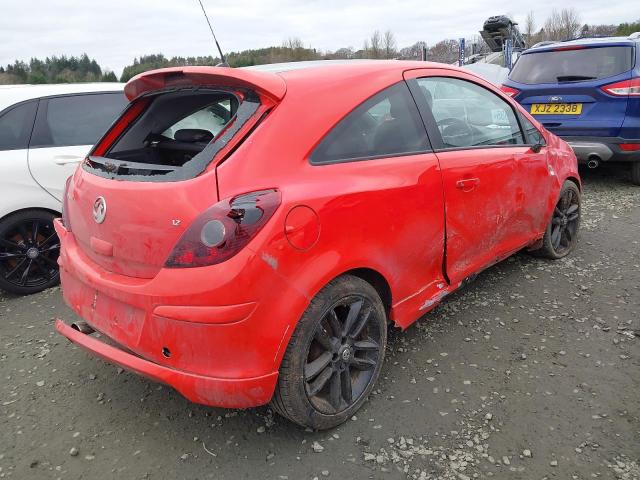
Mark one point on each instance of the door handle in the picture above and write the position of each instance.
(468, 184)
(65, 159)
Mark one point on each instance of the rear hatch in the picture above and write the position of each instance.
(571, 79)
(153, 173)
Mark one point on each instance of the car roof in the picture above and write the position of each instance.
(12, 94)
(274, 80)
(351, 65)
(595, 41)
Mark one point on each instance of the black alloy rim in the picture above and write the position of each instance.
(565, 221)
(343, 355)
(29, 253)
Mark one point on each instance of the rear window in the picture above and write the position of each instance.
(15, 126)
(177, 135)
(572, 65)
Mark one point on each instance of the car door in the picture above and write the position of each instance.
(478, 140)
(65, 129)
(385, 177)
(16, 124)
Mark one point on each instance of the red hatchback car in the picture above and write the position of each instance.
(245, 235)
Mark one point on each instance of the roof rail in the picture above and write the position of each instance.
(634, 36)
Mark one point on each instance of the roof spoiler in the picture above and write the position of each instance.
(268, 84)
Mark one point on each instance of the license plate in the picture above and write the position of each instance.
(556, 109)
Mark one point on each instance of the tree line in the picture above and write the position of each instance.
(54, 69)
(560, 25)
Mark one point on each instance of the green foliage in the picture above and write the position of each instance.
(626, 29)
(54, 69)
(235, 59)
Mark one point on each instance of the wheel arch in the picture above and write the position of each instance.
(575, 180)
(377, 281)
(27, 209)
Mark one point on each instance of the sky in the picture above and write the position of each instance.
(115, 31)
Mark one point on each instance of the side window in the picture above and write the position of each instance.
(468, 115)
(387, 124)
(532, 134)
(75, 119)
(15, 126)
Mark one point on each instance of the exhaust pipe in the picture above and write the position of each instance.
(82, 327)
(593, 162)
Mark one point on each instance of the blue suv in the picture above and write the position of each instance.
(586, 91)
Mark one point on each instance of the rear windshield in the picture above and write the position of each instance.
(572, 65)
(176, 136)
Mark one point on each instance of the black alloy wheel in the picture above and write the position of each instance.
(334, 356)
(561, 235)
(29, 249)
(342, 355)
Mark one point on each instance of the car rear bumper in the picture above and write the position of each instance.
(224, 348)
(602, 149)
(219, 392)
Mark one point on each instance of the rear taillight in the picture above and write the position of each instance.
(65, 205)
(630, 147)
(224, 229)
(512, 92)
(626, 88)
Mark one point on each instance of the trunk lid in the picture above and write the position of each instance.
(153, 173)
(142, 220)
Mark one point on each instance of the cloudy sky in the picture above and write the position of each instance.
(115, 31)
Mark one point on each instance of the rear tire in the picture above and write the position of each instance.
(334, 356)
(635, 173)
(29, 249)
(561, 235)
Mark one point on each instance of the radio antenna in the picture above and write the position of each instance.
(222, 57)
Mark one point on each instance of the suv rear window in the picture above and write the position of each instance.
(572, 65)
(176, 136)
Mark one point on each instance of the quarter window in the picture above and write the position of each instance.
(75, 119)
(468, 115)
(533, 135)
(388, 124)
(16, 125)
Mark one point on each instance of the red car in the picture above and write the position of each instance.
(245, 235)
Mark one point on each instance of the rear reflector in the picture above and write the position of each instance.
(630, 147)
(512, 92)
(626, 88)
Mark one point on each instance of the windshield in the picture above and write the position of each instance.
(572, 65)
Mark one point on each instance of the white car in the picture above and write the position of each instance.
(45, 131)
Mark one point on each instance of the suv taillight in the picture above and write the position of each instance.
(512, 92)
(65, 205)
(626, 88)
(224, 229)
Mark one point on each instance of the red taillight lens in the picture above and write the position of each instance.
(132, 112)
(512, 92)
(630, 147)
(224, 229)
(626, 88)
(65, 205)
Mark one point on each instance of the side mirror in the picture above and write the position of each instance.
(537, 147)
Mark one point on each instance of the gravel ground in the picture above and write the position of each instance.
(530, 372)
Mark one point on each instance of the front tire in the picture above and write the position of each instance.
(29, 249)
(334, 356)
(561, 235)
